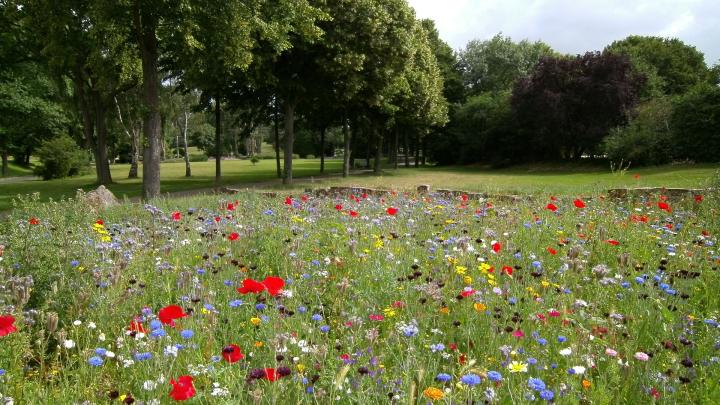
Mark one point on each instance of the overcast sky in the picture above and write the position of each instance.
(576, 26)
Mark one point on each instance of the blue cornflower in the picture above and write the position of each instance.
(316, 317)
(536, 384)
(443, 377)
(542, 341)
(209, 307)
(155, 324)
(201, 272)
(187, 334)
(561, 338)
(471, 379)
(639, 280)
(302, 310)
(215, 359)
(260, 306)
(268, 212)
(512, 300)
(100, 351)
(537, 264)
(2, 372)
(95, 361)
(143, 356)
(494, 376)
(438, 347)
(532, 360)
(158, 333)
(228, 283)
(74, 263)
(547, 395)
(235, 303)
(625, 284)
(324, 329)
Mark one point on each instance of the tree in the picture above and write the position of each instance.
(497, 63)
(447, 61)
(671, 66)
(696, 124)
(568, 105)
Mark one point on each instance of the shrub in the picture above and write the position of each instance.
(696, 124)
(647, 139)
(60, 157)
(254, 160)
(198, 157)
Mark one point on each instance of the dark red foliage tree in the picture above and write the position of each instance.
(567, 105)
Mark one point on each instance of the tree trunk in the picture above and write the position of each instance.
(134, 154)
(188, 173)
(322, 150)
(424, 150)
(5, 167)
(346, 146)
(218, 139)
(102, 166)
(147, 39)
(289, 140)
(417, 150)
(88, 123)
(396, 147)
(406, 149)
(277, 142)
(368, 150)
(378, 152)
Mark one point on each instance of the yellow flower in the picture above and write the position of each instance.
(379, 243)
(484, 268)
(445, 310)
(544, 283)
(300, 367)
(460, 270)
(389, 312)
(479, 306)
(449, 221)
(518, 367)
(255, 321)
(433, 393)
(468, 280)
(259, 343)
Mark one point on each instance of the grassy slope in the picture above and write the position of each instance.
(173, 178)
(535, 179)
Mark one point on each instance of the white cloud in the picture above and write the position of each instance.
(576, 26)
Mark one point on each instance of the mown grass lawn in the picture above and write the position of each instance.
(172, 179)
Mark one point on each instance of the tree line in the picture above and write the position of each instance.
(143, 79)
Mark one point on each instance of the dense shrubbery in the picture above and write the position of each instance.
(60, 157)
(647, 139)
(696, 124)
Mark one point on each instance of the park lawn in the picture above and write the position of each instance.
(16, 170)
(172, 179)
(533, 180)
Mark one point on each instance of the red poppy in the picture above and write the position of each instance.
(100, 222)
(554, 313)
(353, 213)
(376, 317)
(392, 211)
(338, 207)
(233, 236)
(464, 197)
(176, 216)
(552, 207)
(168, 314)
(288, 200)
(467, 293)
(182, 389)
(270, 374)
(496, 247)
(664, 206)
(218, 219)
(612, 242)
(231, 353)
(507, 270)
(518, 333)
(273, 285)
(364, 195)
(698, 198)
(136, 326)
(6, 325)
(579, 203)
(251, 286)
(551, 251)
(34, 221)
(230, 207)
(304, 198)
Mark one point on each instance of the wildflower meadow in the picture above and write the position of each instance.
(396, 298)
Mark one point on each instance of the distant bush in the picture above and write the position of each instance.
(696, 124)
(198, 157)
(310, 157)
(254, 160)
(60, 157)
(647, 139)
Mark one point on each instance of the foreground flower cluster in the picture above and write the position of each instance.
(364, 299)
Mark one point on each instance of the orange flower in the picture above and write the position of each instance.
(586, 384)
(433, 393)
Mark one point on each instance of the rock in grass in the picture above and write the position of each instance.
(100, 198)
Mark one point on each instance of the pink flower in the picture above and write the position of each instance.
(610, 352)
(642, 356)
